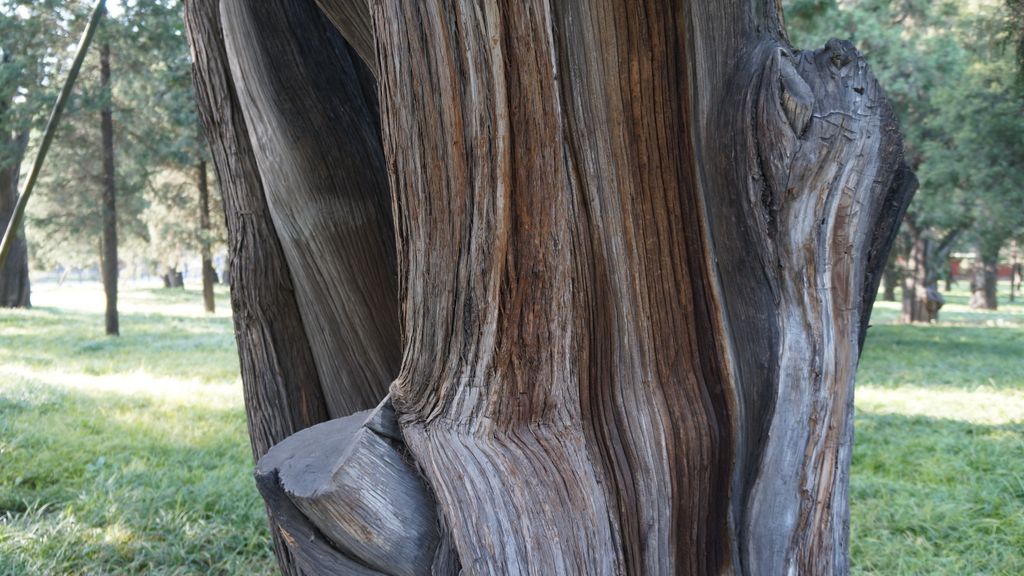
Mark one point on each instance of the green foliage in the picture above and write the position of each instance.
(32, 36)
(951, 70)
(980, 153)
(157, 146)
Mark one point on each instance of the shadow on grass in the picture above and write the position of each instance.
(935, 496)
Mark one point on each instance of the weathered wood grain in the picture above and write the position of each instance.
(311, 113)
(554, 285)
(279, 377)
(280, 383)
(805, 185)
(662, 215)
(308, 549)
(355, 486)
(637, 247)
(352, 19)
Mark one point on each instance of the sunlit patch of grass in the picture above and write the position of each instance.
(978, 406)
(125, 456)
(64, 332)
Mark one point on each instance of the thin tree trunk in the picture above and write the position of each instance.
(915, 277)
(209, 274)
(590, 383)
(15, 290)
(109, 262)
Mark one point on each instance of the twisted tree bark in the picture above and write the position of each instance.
(636, 246)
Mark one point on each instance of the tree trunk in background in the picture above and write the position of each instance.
(890, 280)
(14, 282)
(590, 381)
(209, 274)
(172, 278)
(915, 276)
(983, 296)
(108, 263)
(1014, 271)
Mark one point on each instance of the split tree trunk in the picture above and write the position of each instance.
(14, 281)
(209, 275)
(590, 382)
(295, 373)
(108, 261)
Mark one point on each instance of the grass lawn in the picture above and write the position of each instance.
(127, 455)
(130, 456)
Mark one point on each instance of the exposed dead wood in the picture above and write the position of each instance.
(354, 486)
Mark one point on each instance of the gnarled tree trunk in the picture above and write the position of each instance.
(634, 253)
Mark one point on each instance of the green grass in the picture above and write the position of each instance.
(130, 456)
(938, 465)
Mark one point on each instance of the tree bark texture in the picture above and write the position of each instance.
(15, 290)
(209, 274)
(311, 110)
(322, 221)
(108, 261)
(637, 247)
